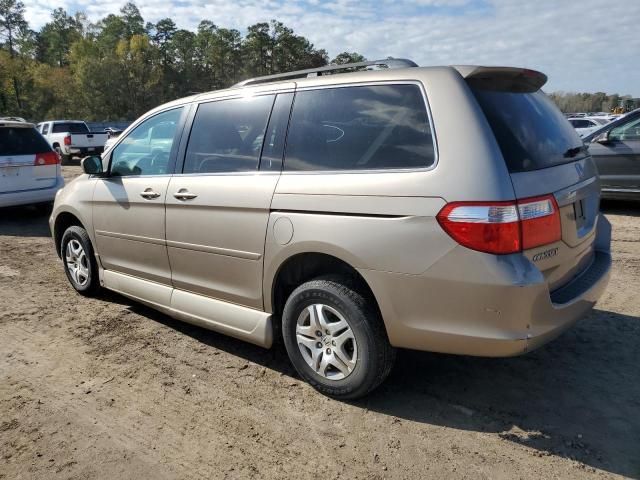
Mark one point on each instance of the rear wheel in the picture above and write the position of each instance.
(335, 338)
(79, 261)
(64, 159)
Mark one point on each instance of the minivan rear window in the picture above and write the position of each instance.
(531, 131)
(22, 141)
(71, 127)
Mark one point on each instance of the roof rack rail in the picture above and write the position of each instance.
(313, 72)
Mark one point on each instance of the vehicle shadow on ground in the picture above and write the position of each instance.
(29, 221)
(620, 207)
(576, 398)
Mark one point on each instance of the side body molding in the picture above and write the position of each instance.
(244, 323)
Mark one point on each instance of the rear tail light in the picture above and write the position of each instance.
(502, 227)
(67, 140)
(540, 221)
(48, 158)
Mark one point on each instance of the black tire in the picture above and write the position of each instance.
(44, 208)
(64, 159)
(375, 356)
(91, 286)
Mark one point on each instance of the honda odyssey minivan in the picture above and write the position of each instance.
(449, 209)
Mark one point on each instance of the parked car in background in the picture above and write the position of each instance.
(30, 170)
(615, 148)
(72, 138)
(14, 119)
(375, 229)
(113, 134)
(585, 125)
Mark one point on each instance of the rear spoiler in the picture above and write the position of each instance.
(503, 79)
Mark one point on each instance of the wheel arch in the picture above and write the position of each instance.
(63, 221)
(305, 266)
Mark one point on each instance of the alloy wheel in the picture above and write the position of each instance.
(77, 262)
(326, 341)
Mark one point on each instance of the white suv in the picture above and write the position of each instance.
(30, 170)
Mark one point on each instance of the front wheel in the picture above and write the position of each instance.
(79, 261)
(335, 338)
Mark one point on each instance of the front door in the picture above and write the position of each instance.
(618, 160)
(218, 206)
(128, 203)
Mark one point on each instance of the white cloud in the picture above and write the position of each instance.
(581, 45)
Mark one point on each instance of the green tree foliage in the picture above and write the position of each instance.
(347, 57)
(119, 67)
(56, 37)
(592, 102)
(13, 27)
(12, 23)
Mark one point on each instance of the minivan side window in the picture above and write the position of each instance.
(227, 135)
(147, 148)
(359, 128)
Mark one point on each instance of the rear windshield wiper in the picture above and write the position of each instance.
(572, 152)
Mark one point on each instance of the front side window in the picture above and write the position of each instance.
(626, 131)
(147, 148)
(359, 128)
(227, 135)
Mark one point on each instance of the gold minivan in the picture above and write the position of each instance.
(349, 210)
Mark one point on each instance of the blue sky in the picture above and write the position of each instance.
(582, 45)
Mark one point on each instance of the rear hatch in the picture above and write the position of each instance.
(27, 162)
(544, 156)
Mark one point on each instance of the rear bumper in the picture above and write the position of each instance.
(84, 151)
(31, 197)
(471, 303)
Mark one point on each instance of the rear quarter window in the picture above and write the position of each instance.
(359, 128)
(22, 141)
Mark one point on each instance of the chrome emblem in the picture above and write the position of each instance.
(552, 252)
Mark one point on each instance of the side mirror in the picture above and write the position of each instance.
(602, 139)
(92, 164)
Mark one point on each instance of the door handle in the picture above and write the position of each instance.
(184, 194)
(149, 194)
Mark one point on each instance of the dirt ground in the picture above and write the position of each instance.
(106, 388)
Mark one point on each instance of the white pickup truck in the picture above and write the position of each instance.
(72, 138)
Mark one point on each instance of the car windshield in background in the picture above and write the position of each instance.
(22, 141)
(531, 132)
(71, 127)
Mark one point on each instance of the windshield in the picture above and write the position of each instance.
(531, 131)
(70, 127)
(22, 141)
